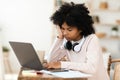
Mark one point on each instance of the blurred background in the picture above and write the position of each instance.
(28, 21)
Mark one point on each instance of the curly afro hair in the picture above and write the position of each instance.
(76, 15)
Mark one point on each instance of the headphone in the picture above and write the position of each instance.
(75, 47)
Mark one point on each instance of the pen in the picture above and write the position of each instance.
(38, 72)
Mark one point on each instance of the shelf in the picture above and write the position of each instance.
(110, 38)
(106, 24)
(106, 10)
(104, 21)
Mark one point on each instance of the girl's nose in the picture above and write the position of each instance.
(64, 33)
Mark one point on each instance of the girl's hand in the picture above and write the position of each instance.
(53, 65)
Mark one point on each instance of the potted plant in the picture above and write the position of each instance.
(115, 31)
(5, 51)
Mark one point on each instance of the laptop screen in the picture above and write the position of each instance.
(26, 55)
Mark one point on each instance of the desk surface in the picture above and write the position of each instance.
(44, 77)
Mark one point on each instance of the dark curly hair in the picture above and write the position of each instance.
(74, 15)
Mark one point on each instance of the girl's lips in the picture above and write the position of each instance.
(67, 38)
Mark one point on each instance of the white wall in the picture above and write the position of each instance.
(28, 21)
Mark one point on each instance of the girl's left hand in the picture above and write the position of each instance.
(53, 65)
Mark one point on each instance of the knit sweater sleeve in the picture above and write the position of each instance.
(56, 52)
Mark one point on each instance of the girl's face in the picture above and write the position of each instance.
(70, 33)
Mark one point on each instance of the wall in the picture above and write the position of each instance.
(26, 21)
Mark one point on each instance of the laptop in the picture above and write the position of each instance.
(28, 57)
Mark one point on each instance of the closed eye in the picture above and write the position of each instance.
(70, 29)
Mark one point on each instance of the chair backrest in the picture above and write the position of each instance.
(116, 68)
(117, 72)
(107, 61)
(109, 64)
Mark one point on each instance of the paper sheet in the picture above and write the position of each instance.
(29, 73)
(69, 74)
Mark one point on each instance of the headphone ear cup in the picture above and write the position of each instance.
(74, 46)
(68, 45)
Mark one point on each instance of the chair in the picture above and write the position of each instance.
(117, 72)
(1, 64)
(116, 68)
